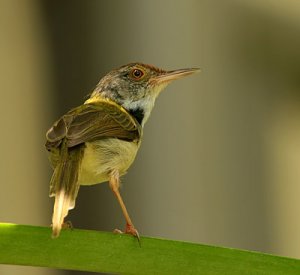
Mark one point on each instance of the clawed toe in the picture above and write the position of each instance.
(130, 229)
(118, 231)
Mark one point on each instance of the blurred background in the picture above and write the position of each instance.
(219, 163)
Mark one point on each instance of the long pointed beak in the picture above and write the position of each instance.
(173, 75)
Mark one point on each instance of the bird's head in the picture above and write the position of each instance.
(136, 86)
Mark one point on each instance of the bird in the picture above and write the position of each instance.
(98, 141)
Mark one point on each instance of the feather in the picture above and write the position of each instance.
(64, 184)
(93, 121)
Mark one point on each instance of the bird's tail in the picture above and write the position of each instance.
(64, 185)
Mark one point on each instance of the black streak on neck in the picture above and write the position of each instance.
(138, 114)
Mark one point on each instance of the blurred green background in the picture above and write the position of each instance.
(220, 159)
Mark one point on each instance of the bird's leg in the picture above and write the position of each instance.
(114, 184)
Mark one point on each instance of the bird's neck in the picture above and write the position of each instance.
(140, 109)
(138, 114)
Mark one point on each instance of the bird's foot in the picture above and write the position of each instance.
(67, 225)
(130, 229)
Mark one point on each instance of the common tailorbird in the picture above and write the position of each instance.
(98, 141)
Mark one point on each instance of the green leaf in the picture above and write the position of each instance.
(121, 254)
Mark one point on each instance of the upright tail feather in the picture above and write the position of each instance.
(64, 185)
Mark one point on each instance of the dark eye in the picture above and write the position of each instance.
(137, 74)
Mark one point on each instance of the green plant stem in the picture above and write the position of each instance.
(120, 254)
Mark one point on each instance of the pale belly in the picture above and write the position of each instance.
(104, 156)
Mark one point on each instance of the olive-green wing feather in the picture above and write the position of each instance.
(93, 121)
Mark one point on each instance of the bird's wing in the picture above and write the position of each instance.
(91, 122)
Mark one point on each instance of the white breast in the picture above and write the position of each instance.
(103, 156)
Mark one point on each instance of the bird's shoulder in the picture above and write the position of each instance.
(93, 120)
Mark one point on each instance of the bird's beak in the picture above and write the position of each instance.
(169, 76)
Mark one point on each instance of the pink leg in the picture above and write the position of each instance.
(114, 184)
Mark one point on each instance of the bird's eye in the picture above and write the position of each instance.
(137, 74)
